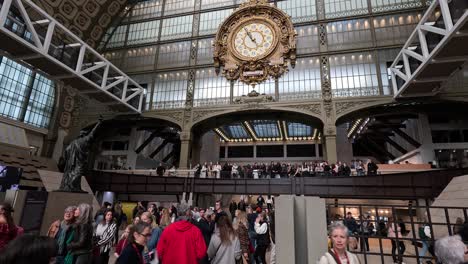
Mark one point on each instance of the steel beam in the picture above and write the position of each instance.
(396, 145)
(405, 136)
(159, 148)
(146, 142)
(42, 43)
(381, 148)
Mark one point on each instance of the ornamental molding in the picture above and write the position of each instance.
(174, 115)
(253, 97)
(348, 106)
(253, 106)
(312, 108)
(201, 114)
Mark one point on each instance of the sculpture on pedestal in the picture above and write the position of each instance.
(75, 160)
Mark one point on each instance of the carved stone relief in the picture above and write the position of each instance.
(313, 108)
(199, 115)
(176, 115)
(342, 107)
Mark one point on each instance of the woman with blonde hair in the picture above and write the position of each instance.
(165, 219)
(241, 228)
(338, 254)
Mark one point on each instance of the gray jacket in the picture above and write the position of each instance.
(221, 253)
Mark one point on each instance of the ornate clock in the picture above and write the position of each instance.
(256, 42)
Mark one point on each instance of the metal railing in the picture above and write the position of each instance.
(409, 185)
(370, 239)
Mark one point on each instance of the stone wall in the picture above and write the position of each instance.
(454, 195)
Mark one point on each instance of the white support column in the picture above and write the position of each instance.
(425, 137)
(79, 62)
(48, 37)
(4, 11)
(190, 199)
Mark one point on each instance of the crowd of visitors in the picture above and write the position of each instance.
(284, 170)
(181, 234)
(238, 233)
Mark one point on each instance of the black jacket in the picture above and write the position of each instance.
(241, 206)
(260, 201)
(206, 230)
(130, 255)
(82, 242)
(232, 208)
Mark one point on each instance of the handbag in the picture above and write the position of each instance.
(251, 248)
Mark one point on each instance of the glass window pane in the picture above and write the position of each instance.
(389, 5)
(178, 6)
(302, 82)
(349, 76)
(210, 89)
(146, 9)
(299, 10)
(140, 59)
(395, 29)
(307, 39)
(177, 27)
(174, 55)
(145, 32)
(349, 34)
(209, 22)
(170, 90)
(344, 8)
(205, 51)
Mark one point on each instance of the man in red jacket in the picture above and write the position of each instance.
(181, 242)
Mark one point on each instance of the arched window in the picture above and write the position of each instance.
(25, 96)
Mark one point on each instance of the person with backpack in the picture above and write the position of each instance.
(424, 232)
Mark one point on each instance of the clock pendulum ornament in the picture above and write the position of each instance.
(256, 42)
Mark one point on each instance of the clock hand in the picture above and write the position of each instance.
(250, 36)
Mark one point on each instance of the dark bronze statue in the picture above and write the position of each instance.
(75, 159)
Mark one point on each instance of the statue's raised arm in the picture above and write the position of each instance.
(92, 133)
(76, 157)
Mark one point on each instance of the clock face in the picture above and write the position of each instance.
(254, 40)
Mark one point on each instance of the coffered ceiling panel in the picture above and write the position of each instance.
(88, 19)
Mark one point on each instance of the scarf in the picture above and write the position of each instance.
(69, 257)
(61, 238)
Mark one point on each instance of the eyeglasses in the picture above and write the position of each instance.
(145, 235)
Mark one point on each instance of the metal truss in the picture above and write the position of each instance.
(441, 26)
(30, 35)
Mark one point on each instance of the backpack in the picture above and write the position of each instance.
(422, 235)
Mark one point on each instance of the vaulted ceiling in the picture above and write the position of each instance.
(88, 19)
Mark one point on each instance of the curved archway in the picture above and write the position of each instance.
(135, 142)
(214, 120)
(346, 108)
(393, 131)
(312, 111)
(261, 127)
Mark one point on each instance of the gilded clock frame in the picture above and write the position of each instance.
(272, 65)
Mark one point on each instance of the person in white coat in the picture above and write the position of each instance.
(338, 254)
(203, 170)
